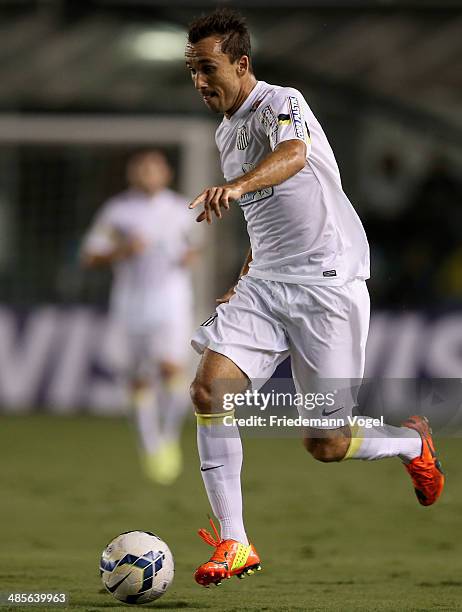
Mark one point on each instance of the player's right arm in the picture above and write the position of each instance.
(245, 268)
(284, 123)
(288, 158)
(127, 248)
(105, 243)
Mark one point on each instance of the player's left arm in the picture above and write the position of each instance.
(126, 248)
(189, 258)
(288, 158)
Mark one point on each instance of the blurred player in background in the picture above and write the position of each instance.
(145, 235)
(302, 290)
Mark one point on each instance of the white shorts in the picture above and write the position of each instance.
(322, 328)
(167, 340)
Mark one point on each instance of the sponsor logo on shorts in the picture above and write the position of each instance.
(242, 138)
(330, 273)
(210, 320)
(284, 119)
(294, 109)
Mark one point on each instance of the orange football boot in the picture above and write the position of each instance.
(425, 470)
(231, 558)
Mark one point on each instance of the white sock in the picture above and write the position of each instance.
(146, 416)
(175, 403)
(386, 441)
(220, 449)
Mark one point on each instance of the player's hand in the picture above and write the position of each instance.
(224, 299)
(214, 199)
(189, 258)
(130, 246)
(136, 245)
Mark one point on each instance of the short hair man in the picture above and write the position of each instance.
(144, 235)
(302, 290)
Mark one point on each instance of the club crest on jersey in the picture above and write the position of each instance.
(242, 138)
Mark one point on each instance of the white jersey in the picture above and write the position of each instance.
(304, 230)
(145, 286)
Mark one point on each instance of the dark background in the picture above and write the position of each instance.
(383, 78)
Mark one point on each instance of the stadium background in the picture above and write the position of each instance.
(84, 84)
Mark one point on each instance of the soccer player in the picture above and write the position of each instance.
(302, 290)
(144, 235)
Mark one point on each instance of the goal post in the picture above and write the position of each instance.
(192, 137)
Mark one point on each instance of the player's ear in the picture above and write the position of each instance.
(243, 65)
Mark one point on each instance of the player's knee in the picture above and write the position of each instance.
(324, 449)
(201, 396)
(139, 384)
(169, 370)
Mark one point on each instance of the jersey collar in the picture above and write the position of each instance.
(245, 107)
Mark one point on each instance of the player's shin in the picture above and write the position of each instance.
(384, 441)
(175, 403)
(146, 417)
(220, 452)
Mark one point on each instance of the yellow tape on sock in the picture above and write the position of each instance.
(355, 442)
(215, 418)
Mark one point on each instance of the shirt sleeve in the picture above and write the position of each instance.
(284, 118)
(101, 238)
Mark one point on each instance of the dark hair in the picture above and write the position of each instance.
(140, 153)
(228, 24)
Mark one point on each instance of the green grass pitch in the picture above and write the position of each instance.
(332, 537)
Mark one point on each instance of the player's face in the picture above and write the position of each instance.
(214, 76)
(149, 173)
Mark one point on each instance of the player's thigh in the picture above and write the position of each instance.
(216, 375)
(328, 335)
(173, 331)
(143, 362)
(158, 346)
(247, 332)
(156, 350)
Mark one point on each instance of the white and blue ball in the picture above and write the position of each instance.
(137, 567)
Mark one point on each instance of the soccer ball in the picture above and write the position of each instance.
(137, 567)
